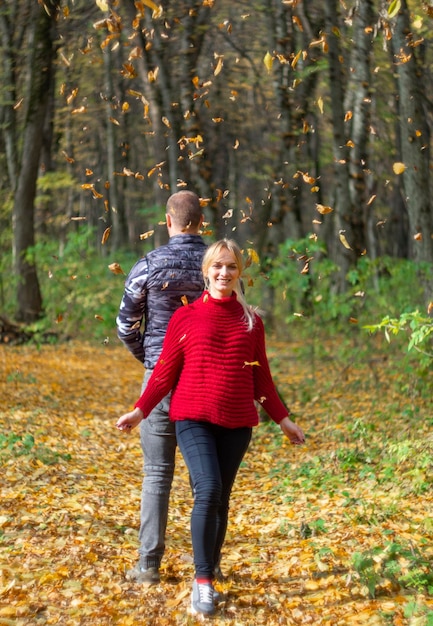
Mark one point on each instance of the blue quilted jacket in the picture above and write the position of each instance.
(154, 289)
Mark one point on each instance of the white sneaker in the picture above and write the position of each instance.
(202, 598)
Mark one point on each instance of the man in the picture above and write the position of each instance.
(158, 284)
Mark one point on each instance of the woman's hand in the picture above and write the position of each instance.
(292, 431)
(130, 420)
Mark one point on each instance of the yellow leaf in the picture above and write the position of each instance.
(105, 235)
(268, 61)
(157, 10)
(251, 363)
(296, 59)
(398, 168)
(320, 104)
(102, 4)
(323, 210)
(115, 268)
(418, 237)
(184, 300)
(344, 240)
(146, 235)
(253, 255)
(219, 66)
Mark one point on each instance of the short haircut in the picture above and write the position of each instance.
(184, 209)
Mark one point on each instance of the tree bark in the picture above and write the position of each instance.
(414, 138)
(39, 75)
(343, 256)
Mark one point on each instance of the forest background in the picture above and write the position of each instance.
(305, 127)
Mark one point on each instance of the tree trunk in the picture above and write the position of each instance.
(415, 140)
(343, 256)
(39, 76)
(358, 105)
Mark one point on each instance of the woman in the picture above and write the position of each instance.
(214, 361)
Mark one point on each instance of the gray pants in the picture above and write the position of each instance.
(158, 442)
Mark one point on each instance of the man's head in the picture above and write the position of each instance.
(183, 213)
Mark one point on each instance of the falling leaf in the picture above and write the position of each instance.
(115, 268)
(103, 5)
(68, 158)
(157, 9)
(430, 308)
(324, 210)
(344, 240)
(353, 320)
(219, 65)
(296, 59)
(251, 363)
(418, 237)
(147, 234)
(184, 300)
(252, 254)
(106, 235)
(99, 318)
(320, 104)
(310, 180)
(268, 61)
(398, 168)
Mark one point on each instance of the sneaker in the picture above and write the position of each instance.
(202, 598)
(142, 575)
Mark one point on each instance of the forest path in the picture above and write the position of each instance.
(361, 485)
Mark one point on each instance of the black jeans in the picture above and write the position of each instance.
(213, 455)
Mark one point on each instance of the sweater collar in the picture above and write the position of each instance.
(206, 297)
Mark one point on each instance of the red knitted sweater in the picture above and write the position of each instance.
(214, 366)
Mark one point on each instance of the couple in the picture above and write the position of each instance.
(214, 363)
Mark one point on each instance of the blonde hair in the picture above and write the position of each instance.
(231, 246)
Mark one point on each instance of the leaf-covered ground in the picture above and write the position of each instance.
(339, 531)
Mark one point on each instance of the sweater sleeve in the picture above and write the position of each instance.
(167, 370)
(264, 387)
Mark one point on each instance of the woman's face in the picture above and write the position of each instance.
(223, 274)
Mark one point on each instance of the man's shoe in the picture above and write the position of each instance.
(141, 575)
(218, 575)
(202, 598)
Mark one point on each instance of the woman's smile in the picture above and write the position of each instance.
(223, 275)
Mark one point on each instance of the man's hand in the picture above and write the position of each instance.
(130, 420)
(292, 431)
